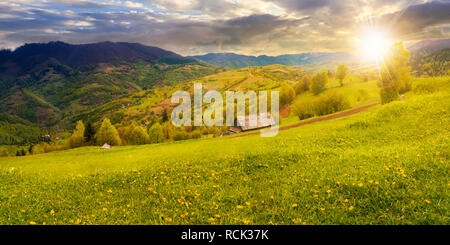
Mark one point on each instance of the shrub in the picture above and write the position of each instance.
(388, 94)
(329, 103)
(107, 134)
(318, 82)
(156, 133)
(180, 135)
(303, 109)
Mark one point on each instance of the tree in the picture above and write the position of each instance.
(165, 115)
(77, 139)
(318, 82)
(156, 133)
(341, 73)
(287, 94)
(107, 133)
(302, 85)
(168, 130)
(139, 136)
(89, 132)
(395, 73)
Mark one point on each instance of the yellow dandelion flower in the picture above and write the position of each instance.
(294, 205)
(360, 184)
(110, 191)
(427, 201)
(217, 216)
(239, 207)
(329, 191)
(247, 203)
(32, 223)
(104, 209)
(52, 212)
(346, 200)
(246, 221)
(350, 208)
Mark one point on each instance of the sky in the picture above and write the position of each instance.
(251, 27)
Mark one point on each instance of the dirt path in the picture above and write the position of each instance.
(318, 119)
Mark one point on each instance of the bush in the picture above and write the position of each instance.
(303, 109)
(329, 103)
(180, 135)
(388, 94)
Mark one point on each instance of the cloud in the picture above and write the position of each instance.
(200, 26)
(417, 20)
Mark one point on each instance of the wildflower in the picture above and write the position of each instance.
(294, 205)
(427, 201)
(104, 209)
(32, 223)
(52, 212)
(360, 184)
(246, 221)
(239, 207)
(345, 200)
(350, 208)
(217, 216)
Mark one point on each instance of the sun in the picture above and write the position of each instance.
(373, 45)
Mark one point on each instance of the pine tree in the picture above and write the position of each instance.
(77, 138)
(107, 134)
(89, 132)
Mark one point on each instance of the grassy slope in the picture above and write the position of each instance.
(388, 165)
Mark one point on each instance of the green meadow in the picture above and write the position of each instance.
(386, 165)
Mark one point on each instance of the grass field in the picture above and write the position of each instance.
(387, 165)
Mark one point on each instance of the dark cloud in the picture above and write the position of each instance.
(428, 17)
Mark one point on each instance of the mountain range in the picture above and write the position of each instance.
(51, 85)
(239, 61)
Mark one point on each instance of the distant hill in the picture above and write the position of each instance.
(49, 83)
(435, 64)
(429, 46)
(241, 61)
(29, 56)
